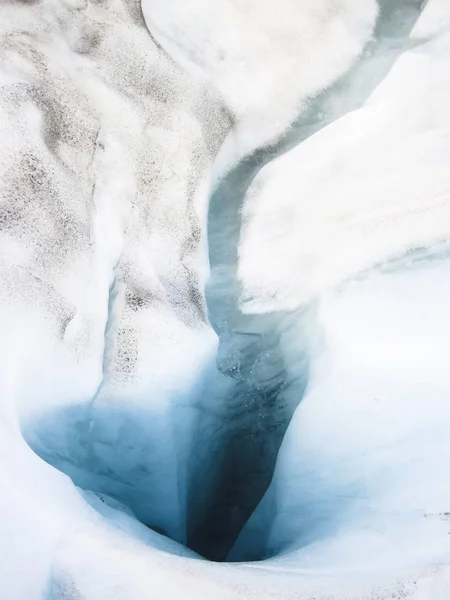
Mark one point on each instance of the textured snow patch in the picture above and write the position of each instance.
(266, 59)
(370, 186)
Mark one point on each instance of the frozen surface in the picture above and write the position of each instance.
(250, 54)
(370, 186)
(359, 481)
(154, 400)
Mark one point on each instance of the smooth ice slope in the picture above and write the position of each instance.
(359, 484)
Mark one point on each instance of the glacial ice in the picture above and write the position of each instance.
(176, 285)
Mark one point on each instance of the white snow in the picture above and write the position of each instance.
(368, 187)
(266, 60)
(360, 479)
(356, 220)
(108, 149)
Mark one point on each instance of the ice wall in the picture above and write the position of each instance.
(358, 484)
(268, 352)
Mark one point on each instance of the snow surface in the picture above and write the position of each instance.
(360, 481)
(385, 189)
(250, 54)
(108, 149)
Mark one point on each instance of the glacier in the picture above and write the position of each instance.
(224, 269)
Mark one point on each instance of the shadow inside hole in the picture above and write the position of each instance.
(194, 472)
